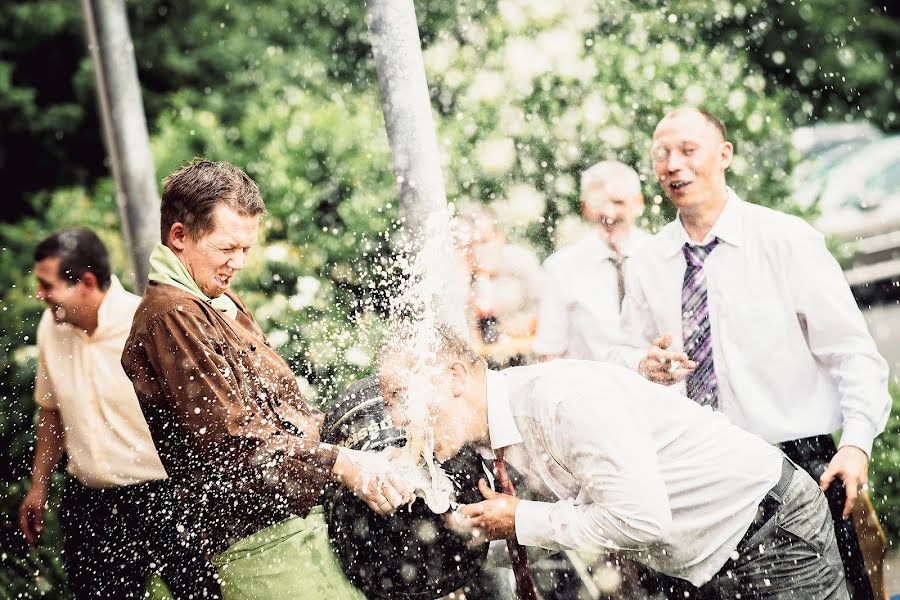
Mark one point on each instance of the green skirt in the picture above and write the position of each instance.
(291, 559)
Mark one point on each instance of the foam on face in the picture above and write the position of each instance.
(427, 297)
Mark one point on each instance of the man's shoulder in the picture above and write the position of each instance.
(573, 254)
(49, 331)
(161, 300)
(770, 217)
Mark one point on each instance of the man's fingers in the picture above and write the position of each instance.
(471, 510)
(662, 341)
(827, 477)
(680, 374)
(25, 524)
(486, 490)
(662, 377)
(398, 488)
(851, 485)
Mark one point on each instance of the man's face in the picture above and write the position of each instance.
(611, 206)
(214, 259)
(66, 300)
(434, 400)
(690, 158)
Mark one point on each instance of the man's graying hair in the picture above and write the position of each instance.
(447, 346)
(191, 194)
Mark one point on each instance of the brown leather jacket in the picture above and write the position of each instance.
(238, 441)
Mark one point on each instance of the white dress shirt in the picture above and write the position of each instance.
(81, 376)
(617, 463)
(792, 353)
(579, 309)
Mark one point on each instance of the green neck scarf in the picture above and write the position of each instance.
(166, 268)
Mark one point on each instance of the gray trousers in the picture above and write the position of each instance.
(793, 555)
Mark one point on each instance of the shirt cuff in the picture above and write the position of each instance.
(533, 524)
(859, 434)
(632, 358)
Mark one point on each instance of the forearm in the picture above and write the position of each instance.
(49, 446)
(588, 527)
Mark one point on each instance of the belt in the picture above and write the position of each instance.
(769, 505)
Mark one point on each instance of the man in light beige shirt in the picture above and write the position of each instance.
(113, 511)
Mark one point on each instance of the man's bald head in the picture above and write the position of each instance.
(710, 119)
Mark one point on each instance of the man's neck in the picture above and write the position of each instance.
(699, 220)
(481, 433)
(90, 315)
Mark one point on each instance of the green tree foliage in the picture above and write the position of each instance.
(526, 94)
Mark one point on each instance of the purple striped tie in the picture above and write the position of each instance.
(701, 384)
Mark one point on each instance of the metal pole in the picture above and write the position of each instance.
(125, 129)
(410, 129)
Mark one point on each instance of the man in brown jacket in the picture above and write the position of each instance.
(226, 414)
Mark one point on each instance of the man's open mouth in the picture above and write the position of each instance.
(678, 185)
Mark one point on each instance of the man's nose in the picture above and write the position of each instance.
(237, 260)
(675, 163)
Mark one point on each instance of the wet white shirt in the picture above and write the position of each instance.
(791, 350)
(81, 376)
(579, 309)
(617, 463)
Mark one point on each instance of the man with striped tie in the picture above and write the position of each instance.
(747, 307)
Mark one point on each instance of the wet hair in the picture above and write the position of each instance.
(710, 118)
(79, 251)
(610, 170)
(448, 346)
(191, 194)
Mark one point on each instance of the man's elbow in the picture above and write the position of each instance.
(653, 527)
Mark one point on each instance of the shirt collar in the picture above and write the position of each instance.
(600, 250)
(501, 426)
(107, 313)
(728, 227)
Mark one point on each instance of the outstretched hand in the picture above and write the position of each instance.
(494, 518)
(370, 476)
(657, 365)
(851, 464)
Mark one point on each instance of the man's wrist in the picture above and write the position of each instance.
(40, 483)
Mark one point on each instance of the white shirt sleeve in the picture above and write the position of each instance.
(636, 325)
(553, 324)
(839, 339)
(623, 503)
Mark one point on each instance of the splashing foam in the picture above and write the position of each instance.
(427, 297)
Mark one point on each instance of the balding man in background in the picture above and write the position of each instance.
(584, 283)
(749, 306)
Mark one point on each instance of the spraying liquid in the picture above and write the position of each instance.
(425, 299)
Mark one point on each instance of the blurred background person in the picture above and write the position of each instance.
(583, 284)
(88, 410)
(503, 279)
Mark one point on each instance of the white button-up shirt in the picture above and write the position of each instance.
(579, 308)
(614, 462)
(792, 353)
(81, 376)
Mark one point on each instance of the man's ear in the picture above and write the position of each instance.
(639, 206)
(459, 376)
(727, 154)
(177, 235)
(90, 281)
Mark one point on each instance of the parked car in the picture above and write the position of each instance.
(855, 187)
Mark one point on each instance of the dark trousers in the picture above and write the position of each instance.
(115, 538)
(813, 454)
